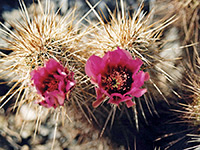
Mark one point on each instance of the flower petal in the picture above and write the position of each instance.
(96, 103)
(129, 103)
(62, 86)
(136, 92)
(60, 98)
(50, 100)
(134, 65)
(119, 56)
(138, 79)
(93, 67)
(111, 58)
(38, 76)
(69, 85)
(44, 103)
(147, 76)
(115, 98)
(124, 52)
(52, 66)
(100, 98)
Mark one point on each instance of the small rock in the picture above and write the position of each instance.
(26, 133)
(3, 123)
(28, 113)
(25, 147)
(52, 136)
(44, 131)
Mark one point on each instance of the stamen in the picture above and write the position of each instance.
(117, 80)
(51, 84)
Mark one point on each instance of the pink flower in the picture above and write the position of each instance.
(117, 76)
(53, 82)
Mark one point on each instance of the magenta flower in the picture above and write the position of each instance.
(53, 82)
(117, 76)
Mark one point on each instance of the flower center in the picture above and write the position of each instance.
(117, 80)
(51, 84)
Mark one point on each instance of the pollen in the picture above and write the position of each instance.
(117, 80)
